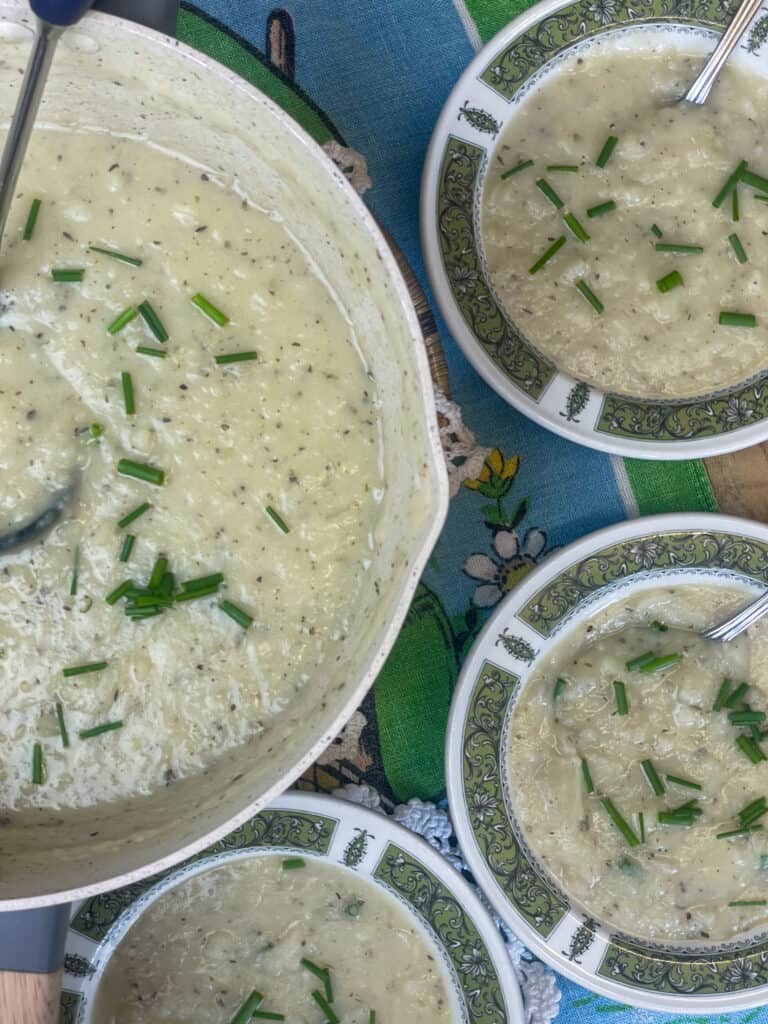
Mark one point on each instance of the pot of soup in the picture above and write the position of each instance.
(221, 469)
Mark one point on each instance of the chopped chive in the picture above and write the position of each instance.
(550, 193)
(641, 825)
(277, 519)
(737, 247)
(605, 153)
(153, 321)
(266, 1015)
(249, 1007)
(676, 818)
(739, 832)
(637, 663)
(203, 582)
(209, 310)
(151, 601)
(241, 618)
(96, 431)
(559, 687)
(756, 181)
(656, 230)
(80, 670)
(372, 1017)
(749, 747)
(196, 595)
(563, 167)
(62, 724)
(671, 280)
(737, 320)
(353, 909)
(127, 547)
(652, 776)
(516, 170)
(158, 570)
(620, 690)
(587, 776)
(547, 256)
(662, 662)
(748, 818)
(722, 694)
(330, 1015)
(683, 782)
(97, 730)
(122, 320)
(619, 822)
(293, 863)
(130, 403)
(763, 199)
(576, 227)
(737, 696)
(759, 804)
(74, 579)
(119, 592)
(601, 209)
(735, 216)
(68, 275)
(141, 471)
(146, 350)
(746, 717)
(657, 627)
(134, 262)
(748, 903)
(143, 613)
(37, 764)
(29, 227)
(589, 295)
(730, 184)
(134, 514)
(236, 357)
(674, 247)
(323, 974)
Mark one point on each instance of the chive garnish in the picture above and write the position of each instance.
(576, 227)
(277, 519)
(763, 199)
(134, 262)
(323, 974)
(293, 863)
(619, 822)
(153, 321)
(652, 776)
(195, 595)
(547, 256)
(372, 1017)
(563, 167)
(241, 618)
(96, 431)
(679, 816)
(656, 230)
(605, 153)
(119, 592)
(146, 350)
(620, 691)
(671, 280)
(748, 903)
(601, 208)
(737, 696)
(657, 627)
(746, 717)
(203, 582)
(130, 404)
(158, 570)
(249, 1007)
(737, 320)
(753, 811)
(80, 670)
(62, 724)
(730, 183)
(738, 248)
(330, 1015)
(748, 746)
(674, 247)
(127, 547)
(266, 1015)
(209, 310)
(141, 471)
(756, 181)
(74, 579)
(236, 357)
(134, 514)
(29, 227)
(559, 687)
(637, 663)
(662, 662)
(739, 832)
(550, 193)
(587, 776)
(37, 764)
(97, 730)
(68, 275)
(516, 170)
(122, 320)
(722, 694)
(641, 825)
(589, 295)
(686, 783)
(735, 205)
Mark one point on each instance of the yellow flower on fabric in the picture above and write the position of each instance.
(495, 478)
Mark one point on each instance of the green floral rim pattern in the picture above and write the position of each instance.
(458, 189)
(483, 744)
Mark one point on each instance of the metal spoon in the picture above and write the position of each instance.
(737, 623)
(707, 77)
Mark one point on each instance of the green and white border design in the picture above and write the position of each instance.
(691, 978)
(460, 150)
(475, 960)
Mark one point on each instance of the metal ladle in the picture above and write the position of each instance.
(707, 77)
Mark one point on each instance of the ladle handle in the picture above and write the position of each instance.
(62, 13)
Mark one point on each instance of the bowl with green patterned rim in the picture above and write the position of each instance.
(475, 964)
(463, 147)
(563, 591)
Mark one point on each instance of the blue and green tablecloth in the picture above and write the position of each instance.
(372, 75)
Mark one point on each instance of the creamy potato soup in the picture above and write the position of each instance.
(637, 766)
(200, 417)
(284, 928)
(598, 222)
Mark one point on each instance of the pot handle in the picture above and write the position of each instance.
(158, 14)
(31, 951)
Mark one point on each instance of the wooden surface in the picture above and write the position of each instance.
(29, 998)
(740, 482)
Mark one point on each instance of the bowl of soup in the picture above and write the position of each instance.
(596, 245)
(607, 764)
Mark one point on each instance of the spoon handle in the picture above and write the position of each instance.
(736, 625)
(707, 77)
